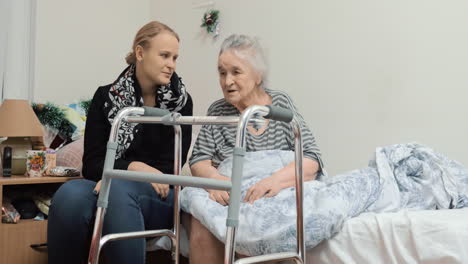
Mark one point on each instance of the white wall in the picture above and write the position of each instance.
(364, 73)
(81, 45)
(16, 49)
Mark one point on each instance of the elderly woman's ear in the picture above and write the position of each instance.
(259, 79)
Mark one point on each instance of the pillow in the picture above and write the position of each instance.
(71, 155)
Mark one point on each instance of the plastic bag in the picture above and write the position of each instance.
(64, 172)
(9, 213)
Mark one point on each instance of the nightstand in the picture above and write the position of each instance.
(16, 239)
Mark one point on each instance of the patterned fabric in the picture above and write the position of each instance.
(401, 176)
(216, 142)
(123, 94)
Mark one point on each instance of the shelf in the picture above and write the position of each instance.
(23, 223)
(17, 179)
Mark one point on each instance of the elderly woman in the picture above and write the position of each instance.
(242, 76)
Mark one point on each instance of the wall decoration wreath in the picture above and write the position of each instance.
(210, 21)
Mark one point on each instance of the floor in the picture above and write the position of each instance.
(162, 257)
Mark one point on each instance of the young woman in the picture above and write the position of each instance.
(149, 80)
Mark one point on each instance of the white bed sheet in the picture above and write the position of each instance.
(437, 236)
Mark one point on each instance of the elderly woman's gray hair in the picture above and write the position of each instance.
(249, 49)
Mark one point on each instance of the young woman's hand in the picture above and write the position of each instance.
(97, 189)
(161, 189)
(267, 187)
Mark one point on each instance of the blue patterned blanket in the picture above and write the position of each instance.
(400, 176)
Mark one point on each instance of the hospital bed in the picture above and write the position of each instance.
(423, 237)
(160, 116)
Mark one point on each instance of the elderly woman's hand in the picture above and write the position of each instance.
(281, 179)
(267, 187)
(222, 197)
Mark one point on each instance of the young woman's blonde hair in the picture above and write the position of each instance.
(144, 35)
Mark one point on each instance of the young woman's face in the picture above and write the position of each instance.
(158, 61)
(237, 78)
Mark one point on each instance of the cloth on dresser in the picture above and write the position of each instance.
(400, 176)
(42, 202)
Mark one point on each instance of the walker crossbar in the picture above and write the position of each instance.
(190, 120)
(275, 256)
(139, 234)
(161, 116)
(169, 179)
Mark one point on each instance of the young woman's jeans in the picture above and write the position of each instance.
(133, 206)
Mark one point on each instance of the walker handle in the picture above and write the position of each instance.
(154, 111)
(279, 114)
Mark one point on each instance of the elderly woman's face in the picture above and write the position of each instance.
(237, 78)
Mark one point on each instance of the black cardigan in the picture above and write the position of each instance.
(153, 144)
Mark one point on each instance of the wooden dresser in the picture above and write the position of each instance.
(16, 239)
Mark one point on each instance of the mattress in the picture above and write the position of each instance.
(437, 236)
(423, 237)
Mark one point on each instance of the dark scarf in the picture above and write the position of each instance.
(172, 96)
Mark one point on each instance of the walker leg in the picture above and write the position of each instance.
(176, 239)
(177, 169)
(230, 247)
(95, 240)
